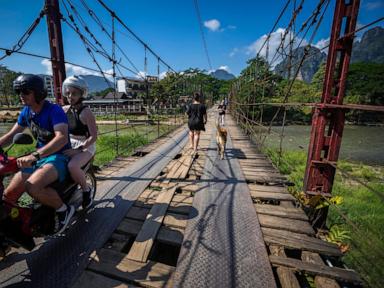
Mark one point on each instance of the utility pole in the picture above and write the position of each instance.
(328, 121)
(52, 10)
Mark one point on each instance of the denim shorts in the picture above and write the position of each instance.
(59, 161)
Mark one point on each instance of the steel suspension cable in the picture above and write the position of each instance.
(202, 32)
(24, 38)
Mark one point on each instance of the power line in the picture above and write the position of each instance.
(202, 32)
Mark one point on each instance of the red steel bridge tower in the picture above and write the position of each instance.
(52, 10)
(329, 115)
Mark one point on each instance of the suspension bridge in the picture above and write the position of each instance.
(166, 217)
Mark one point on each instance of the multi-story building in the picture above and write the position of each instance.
(48, 81)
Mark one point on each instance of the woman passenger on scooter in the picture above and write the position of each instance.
(83, 133)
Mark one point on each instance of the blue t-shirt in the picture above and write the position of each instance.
(46, 119)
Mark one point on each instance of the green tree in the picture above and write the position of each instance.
(8, 96)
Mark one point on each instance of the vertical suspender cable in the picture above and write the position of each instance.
(114, 83)
(158, 102)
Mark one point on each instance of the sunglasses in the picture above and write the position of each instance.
(73, 93)
(24, 91)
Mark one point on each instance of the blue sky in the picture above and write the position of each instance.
(233, 30)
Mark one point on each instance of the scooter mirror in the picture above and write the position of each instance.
(22, 138)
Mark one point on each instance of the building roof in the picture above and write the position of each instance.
(112, 101)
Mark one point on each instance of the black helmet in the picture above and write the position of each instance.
(31, 82)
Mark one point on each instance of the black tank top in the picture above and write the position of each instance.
(76, 127)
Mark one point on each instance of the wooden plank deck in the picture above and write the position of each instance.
(140, 250)
(284, 226)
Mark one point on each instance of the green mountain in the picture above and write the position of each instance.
(370, 48)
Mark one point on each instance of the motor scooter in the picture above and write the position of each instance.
(20, 224)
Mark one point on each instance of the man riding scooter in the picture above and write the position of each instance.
(49, 126)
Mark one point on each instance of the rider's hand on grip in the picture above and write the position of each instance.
(26, 161)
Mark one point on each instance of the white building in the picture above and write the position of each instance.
(48, 82)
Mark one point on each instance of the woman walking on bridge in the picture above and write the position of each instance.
(197, 117)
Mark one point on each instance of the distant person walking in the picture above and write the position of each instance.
(222, 107)
(197, 117)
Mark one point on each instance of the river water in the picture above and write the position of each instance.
(359, 144)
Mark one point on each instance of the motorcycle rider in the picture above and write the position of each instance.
(82, 131)
(49, 126)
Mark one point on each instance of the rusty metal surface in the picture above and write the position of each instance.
(328, 124)
(58, 262)
(223, 246)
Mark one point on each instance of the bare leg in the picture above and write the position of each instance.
(191, 139)
(74, 167)
(36, 186)
(16, 188)
(196, 140)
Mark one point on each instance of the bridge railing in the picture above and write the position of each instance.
(355, 217)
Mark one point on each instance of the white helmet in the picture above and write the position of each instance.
(77, 82)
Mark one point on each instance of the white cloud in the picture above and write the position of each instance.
(374, 5)
(321, 44)
(48, 66)
(76, 70)
(163, 75)
(233, 52)
(213, 24)
(225, 67)
(274, 43)
(141, 75)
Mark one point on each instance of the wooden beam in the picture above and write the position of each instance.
(286, 276)
(299, 241)
(285, 224)
(275, 210)
(94, 280)
(320, 281)
(116, 265)
(315, 269)
(146, 237)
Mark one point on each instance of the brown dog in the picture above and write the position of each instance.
(221, 140)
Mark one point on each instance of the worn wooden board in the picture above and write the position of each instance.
(95, 280)
(170, 235)
(118, 266)
(146, 237)
(267, 188)
(286, 224)
(137, 213)
(299, 241)
(178, 207)
(176, 220)
(187, 199)
(286, 276)
(266, 169)
(315, 269)
(275, 210)
(320, 281)
(272, 196)
(117, 241)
